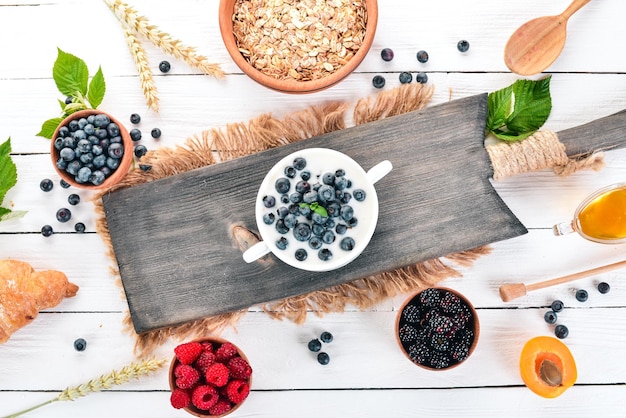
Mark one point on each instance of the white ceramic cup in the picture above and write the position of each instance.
(319, 161)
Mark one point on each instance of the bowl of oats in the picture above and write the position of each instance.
(298, 46)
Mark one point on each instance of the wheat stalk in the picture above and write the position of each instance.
(143, 67)
(141, 25)
(134, 370)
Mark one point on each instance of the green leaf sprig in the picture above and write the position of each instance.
(316, 207)
(71, 76)
(517, 111)
(8, 179)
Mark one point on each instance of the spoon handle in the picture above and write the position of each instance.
(573, 8)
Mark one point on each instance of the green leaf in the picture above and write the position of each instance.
(49, 126)
(7, 214)
(315, 207)
(97, 88)
(499, 104)
(70, 74)
(8, 170)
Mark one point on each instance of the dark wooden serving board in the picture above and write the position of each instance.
(172, 237)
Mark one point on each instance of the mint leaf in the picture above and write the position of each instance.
(70, 74)
(315, 207)
(97, 88)
(49, 126)
(519, 110)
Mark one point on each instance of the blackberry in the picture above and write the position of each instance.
(386, 54)
(135, 118)
(463, 45)
(411, 313)
(323, 358)
(429, 297)
(73, 199)
(80, 344)
(561, 331)
(557, 306)
(164, 66)
(451, 304)
(421, 77)
(155, 133)
(419, 353)
(422, 56)
(46, 185)
(582, 295)
(459, 351)
(315, 345)
(439, 360)
(46, 230)
(405, 77)
(408, 333)
(464, 336)
(326, 337)
(550, 317)
(440, 324)
(378, 81)
(439, 342)
(604, 287)
(79, 227)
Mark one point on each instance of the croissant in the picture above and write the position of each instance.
(24, 292)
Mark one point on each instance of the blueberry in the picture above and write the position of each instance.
(64, 184)
(73, 199)
(318, 219)
(305, 175)
(281, 227)
(305, 211)
(269, 218)
(269, 201)
(89, 129)
(290, 222)
(325, 254)
(164, 66)
(135, 134)
(79, 227)
(328, 178)
(302, 187)
(345, 198)
(323, 358)
(310, 197)
(421, 77)
(290, 172)
(96, 149)
(346, 213)
(116, 151)
(326, 193)
(83, 175)
(64, 131)
(282, 185)
(155, 133)
(315, 345)
(46, 185)
(463, 45)
(73, 125)
(340, 184)
(140, 150)
(328, 237)
(113, 129)
(315, 243)
(135, 118)
(97, 177)
(282, 243)
(282, 212)
(64, 215)
(99, 161)
(79, 134)
(101, 121)
(112, 164)
(69, 99)
(333, 209)
(422, 56)
(295, 197)
(59, 143)
(301, 254)
(341, 229)
(82, 122)
(299, 163)
(67, 154)
(386, 54)
(561, 331)
(550, 317)
(378, 81)
(80, 344)
(604, 287)
(284, 198)
(582, 295)
(86, 158)
(347, 244)
(145, 167)
(326, 337)
(353, 222)
(46, 230)
(302, 232)
(359, 195)
(405, 77)
(557, 306)
(73, 167)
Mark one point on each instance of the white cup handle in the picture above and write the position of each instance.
(255, 252)
(379, 171)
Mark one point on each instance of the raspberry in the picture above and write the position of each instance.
(204, 361)
(217, 374)
(204, 397)
(239, 368)
(221, 407)
(207, 346)
(187, 353)
(186, 376)
(237, 390)
(225, 352)
(180, 399)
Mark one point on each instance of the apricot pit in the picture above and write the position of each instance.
(547, 366)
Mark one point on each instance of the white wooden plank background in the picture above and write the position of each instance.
(368, 376)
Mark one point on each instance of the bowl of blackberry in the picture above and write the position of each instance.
(90, 149)
(209, 377)
(437, 328)
(316, 209)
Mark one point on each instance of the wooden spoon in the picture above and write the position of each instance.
(537, 43)
(515, 290)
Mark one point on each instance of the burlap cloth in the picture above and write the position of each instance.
(266, 131)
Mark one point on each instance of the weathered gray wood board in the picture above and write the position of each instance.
(176, 254)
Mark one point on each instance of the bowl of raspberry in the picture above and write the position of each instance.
(316, 209)
(90, 149)
(437, 328)
(209, 377)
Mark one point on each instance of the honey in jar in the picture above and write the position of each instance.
(604, 216)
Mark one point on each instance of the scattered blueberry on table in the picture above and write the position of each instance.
(79, 227)
(561, 331)
(315, 345)
(386, 54)
(155, 133)
(73, 199)
(421, 77)
(582, 295)
(326, 337)
(46, 185)
(80, 344)
(135, 134)
(604, 287)
(164, 66)
(422, 56)
(64, 184)
(550, 317)
(135, 118)
(378, 81)
(64, 215)
(323, 358)
(557, 306)
(405, 77)
(463, 45)
(140, 150)
(47, 230)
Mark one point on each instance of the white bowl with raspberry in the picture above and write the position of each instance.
(209, 377)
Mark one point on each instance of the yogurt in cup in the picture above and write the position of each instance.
(302, 224)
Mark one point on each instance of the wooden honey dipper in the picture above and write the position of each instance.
(512, 291)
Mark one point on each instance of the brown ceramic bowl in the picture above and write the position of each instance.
(291, 85)
(437, 328)
(216, 343)
(116, 175)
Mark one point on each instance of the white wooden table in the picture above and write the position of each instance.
(368, 375)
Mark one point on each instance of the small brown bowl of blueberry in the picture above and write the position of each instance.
(90, 149)
(437, 328)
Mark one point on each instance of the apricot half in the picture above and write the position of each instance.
(547, 366)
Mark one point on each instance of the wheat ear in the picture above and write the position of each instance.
(141, 25)
(116, 377)
(143, 67)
